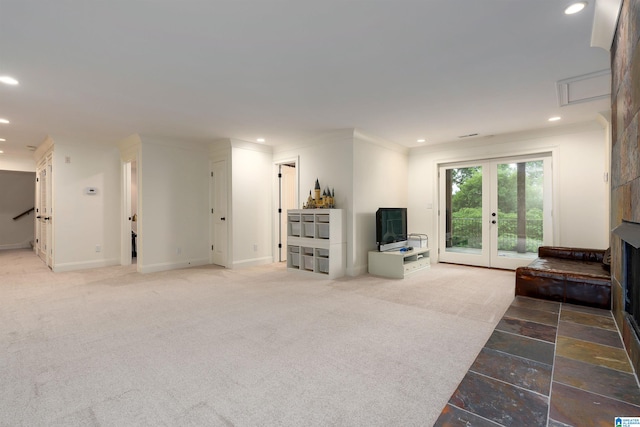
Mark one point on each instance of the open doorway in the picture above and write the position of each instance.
(287, 199)
(130, 220)
(134, 212)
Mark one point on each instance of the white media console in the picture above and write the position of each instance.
(396, 264)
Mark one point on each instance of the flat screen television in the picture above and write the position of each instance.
(391, 228)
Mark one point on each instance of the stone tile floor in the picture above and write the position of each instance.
(547, 364)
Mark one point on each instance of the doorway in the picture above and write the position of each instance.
(134, 212)
(287, 174)
(495, 213)
(130, 230)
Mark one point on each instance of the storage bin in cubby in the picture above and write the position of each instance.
(308, 229)
(322, 218)
(294, 229)
(293, 218)
(323, 231)
(295, 259)
(308, 262)
(323, 265)
(324, 253)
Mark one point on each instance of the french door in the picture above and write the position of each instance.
(495, 213)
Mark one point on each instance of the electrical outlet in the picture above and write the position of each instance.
(98, 248)
(179, 251)
(255, 247)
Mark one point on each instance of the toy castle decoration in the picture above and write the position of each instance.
(324, 201)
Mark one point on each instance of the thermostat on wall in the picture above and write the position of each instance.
(91, 190)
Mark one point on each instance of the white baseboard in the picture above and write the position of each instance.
(72, 266)
(23, 245)
(253, 262)
(165, 266)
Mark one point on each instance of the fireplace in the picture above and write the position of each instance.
(629, 233)
(631, 284)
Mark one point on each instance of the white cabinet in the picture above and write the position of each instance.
(316, 242)
(396, 264)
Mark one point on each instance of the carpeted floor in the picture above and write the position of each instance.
(261, 346)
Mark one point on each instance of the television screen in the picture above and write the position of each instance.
(391, 228)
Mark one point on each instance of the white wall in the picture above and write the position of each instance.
(81, 221)
(579, 164)
(18, 163)
(17, 194)
(328, 158)
(251, 189)
(173, 228)
(380, 178)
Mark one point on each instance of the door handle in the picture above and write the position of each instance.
(39, 216)
(47, 218)
(493, 221)
(223, 219)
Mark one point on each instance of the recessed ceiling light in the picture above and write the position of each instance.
(1, 152)
(2, 140)
(575, 8)
(8, 80)
(422, 140)
(554, 119)
(260, 139)
(5, 121)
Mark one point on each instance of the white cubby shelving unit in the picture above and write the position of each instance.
(316, 242)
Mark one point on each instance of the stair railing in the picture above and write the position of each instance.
(27, 212)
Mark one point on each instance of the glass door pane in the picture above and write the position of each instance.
(462, 211)
(520, 211)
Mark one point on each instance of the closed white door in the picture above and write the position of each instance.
(219, 220)
(287, 201)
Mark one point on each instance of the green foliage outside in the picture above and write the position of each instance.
(467, 213)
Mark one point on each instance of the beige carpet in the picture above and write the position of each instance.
(255, 347)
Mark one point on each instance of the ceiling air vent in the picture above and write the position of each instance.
(468, 136)
(585, 88)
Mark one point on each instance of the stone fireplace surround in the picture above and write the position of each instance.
(625, 157)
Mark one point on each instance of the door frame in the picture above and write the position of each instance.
(552, 153)
(277, 191)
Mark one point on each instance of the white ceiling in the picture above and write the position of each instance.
(98, 71)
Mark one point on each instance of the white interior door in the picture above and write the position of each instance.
(38, 205)
(288, 187)
(219, 211)
(495, 213)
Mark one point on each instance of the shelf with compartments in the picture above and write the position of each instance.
(316, 242)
